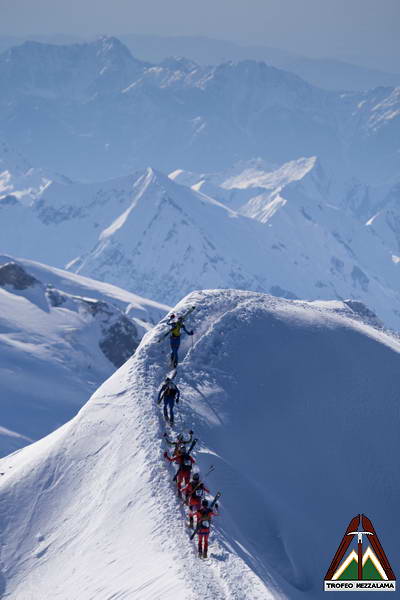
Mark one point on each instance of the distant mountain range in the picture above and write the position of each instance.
(93, 111)
(328, 72)
(292, 231)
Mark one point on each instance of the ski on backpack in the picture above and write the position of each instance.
(181, 319)
(211, 506)
(192, 445)
(210, 470)
(216, 498)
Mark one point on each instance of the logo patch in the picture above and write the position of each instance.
(364, 567)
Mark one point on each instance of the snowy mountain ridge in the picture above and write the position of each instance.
(96, 511)
(160, 239)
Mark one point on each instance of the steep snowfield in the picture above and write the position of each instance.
(325, 233)
(144, 312)
(64, 215)
(60, 337)
(294, 403)
(171, 240)
(290, 236)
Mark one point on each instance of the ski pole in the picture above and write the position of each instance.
(210, 470)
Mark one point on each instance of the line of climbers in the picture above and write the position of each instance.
(190, 489)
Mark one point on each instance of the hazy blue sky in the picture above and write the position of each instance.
(347, 28)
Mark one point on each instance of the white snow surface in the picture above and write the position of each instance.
(295, 404)
(50, 357)
(289, 235)
(143, 311)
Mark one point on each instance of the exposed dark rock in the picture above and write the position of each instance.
(97, 306)
(55, 297)
(367, 315)
(13, 274)
(120, 341)
(120, 336)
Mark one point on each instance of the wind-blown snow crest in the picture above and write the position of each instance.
(283, 397)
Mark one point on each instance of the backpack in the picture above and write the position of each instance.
(176, 331)
(186, 463)
(205, 518)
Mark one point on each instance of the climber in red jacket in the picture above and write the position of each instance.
(194, 491)
(204, 516)
(185, 462)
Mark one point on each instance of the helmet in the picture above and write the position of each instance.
(196, 476)
(183, 449)
(205, 503)
(167, 379)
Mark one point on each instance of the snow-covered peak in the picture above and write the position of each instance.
(94, 502)
(256, 177)
(161, 239)
(112, 48)
(72, 71)
(19, 180)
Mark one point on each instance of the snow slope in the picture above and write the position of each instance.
(63, 215)
(291, 236)
(296, 406)
(329, 230)
(290, 242)
(60, 337)
(171, 240)
(144, 312)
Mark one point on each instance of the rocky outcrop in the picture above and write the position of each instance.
(366, 314)
(120, 341)
(14, 275)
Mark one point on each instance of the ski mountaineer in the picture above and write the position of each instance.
(204, 516)
(185, 462)
(170, 394)
(194, 491)
(176, 326)
(179, 442)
